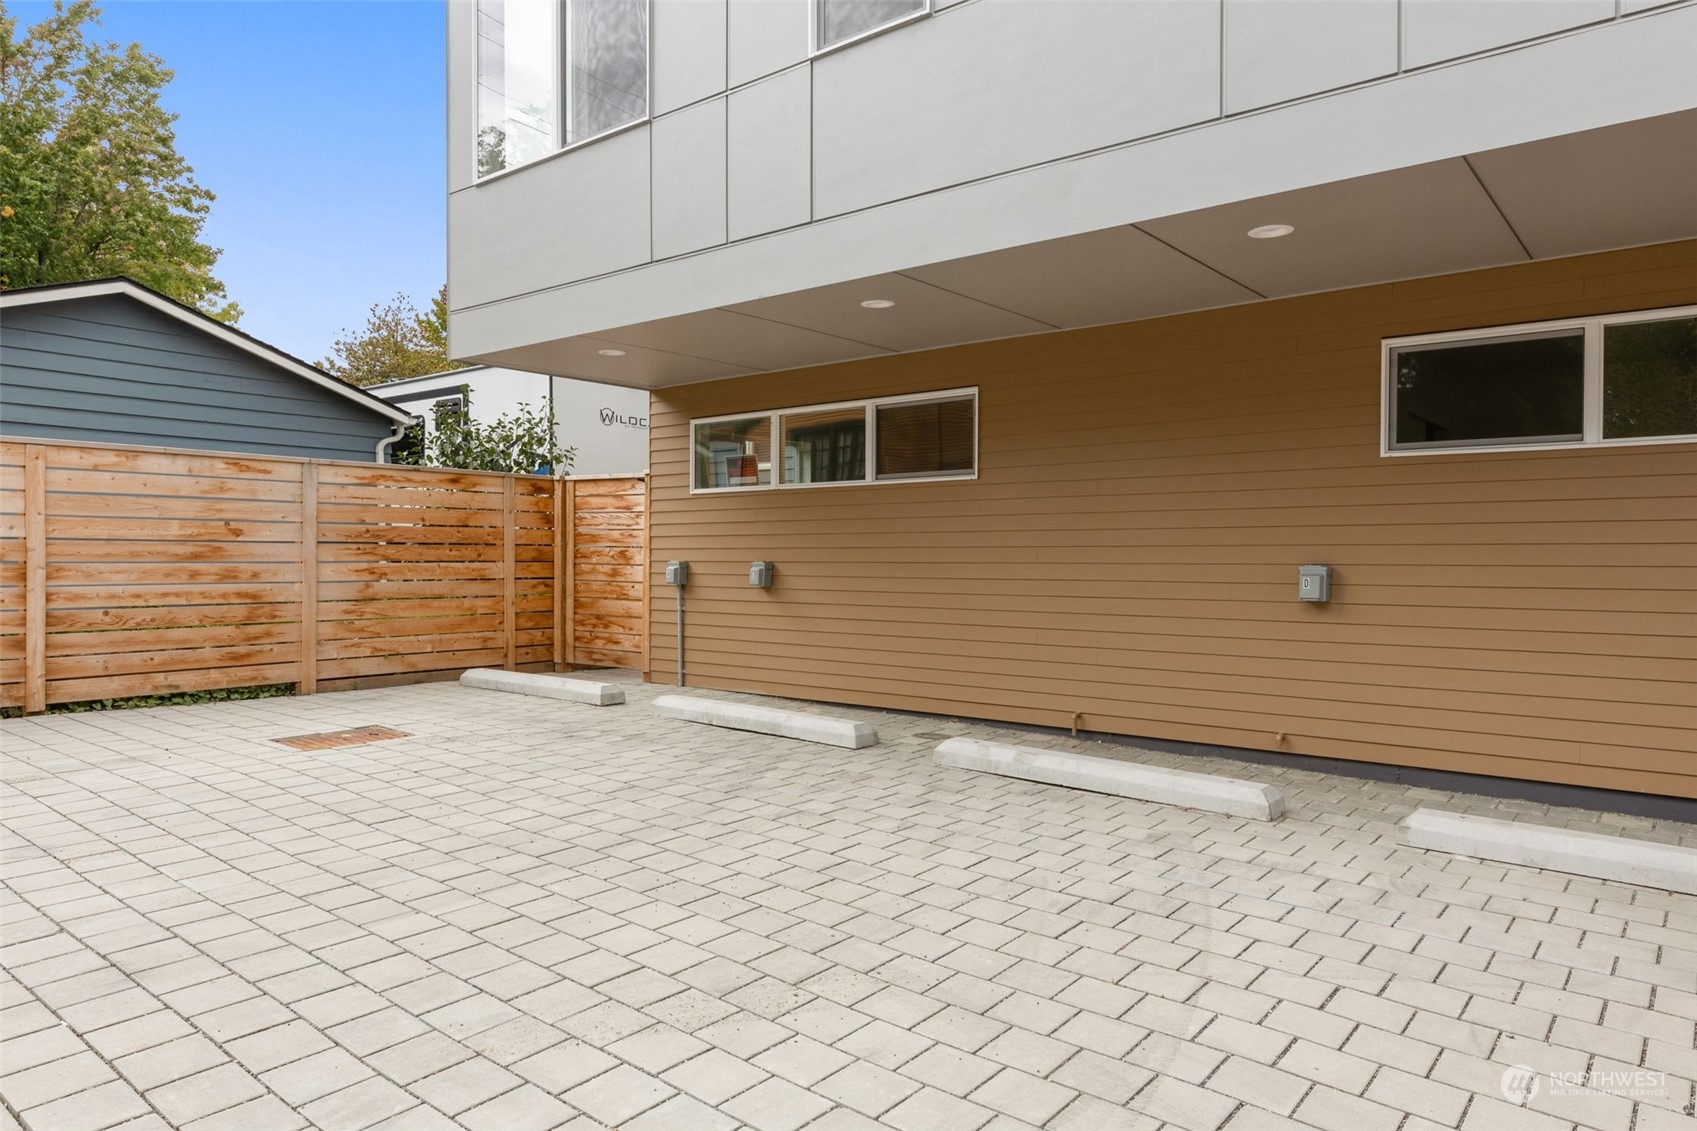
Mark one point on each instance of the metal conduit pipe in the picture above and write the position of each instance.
(677, 575)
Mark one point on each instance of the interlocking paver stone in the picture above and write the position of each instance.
(359, 1106)
(46, 1082)
(204, 1093)
(317, 1075)
(618, 1095)
(173, 1060)
(931, 1110)
(1023, 1095)
(266, 1112)
(523, 1109)
(544, 915)
(777, 1105)
(99, 1107)
(714, 1076)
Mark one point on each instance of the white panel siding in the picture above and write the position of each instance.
(764, 36)
(687, 50)
(689, 179)
(1435, 30)
(1281, 49)
(985, 88)
(996, 123)
(585, 213)
(769, 178)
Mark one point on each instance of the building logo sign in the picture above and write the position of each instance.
(610, 417)
(1520, 1084)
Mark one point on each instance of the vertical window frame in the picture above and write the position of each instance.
(815, 50)
(1591, 327)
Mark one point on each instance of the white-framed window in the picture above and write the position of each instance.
(1608, 380)
(552, 74)
(517, 109)
(881, 440)
(840, 22)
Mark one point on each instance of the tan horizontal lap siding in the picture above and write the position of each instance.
(1145, 494)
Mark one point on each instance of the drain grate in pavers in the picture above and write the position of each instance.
(353, 736)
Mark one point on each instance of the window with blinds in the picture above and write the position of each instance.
(927, 438)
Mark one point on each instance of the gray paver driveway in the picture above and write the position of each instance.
(529, 914)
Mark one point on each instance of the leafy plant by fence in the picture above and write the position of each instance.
(128, 571)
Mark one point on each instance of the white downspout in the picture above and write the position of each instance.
(396, 433)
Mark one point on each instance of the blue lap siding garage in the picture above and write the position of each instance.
(112, 362)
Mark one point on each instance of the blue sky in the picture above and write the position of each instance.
(319, 124)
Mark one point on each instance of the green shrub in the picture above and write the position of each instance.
(218, 695)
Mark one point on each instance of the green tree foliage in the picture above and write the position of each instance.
(396, 341)
(91, 184)
(523, 441)
(434, 322)
(1650, 378)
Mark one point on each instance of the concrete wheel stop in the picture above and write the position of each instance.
(1600, 856)
(546, 686)
(1122, 779)
(767, 720)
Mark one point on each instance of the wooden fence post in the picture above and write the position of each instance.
(569, 604)
(308, 683)
(559, 576)
(509, 570)
(647, 564)
(35, 579)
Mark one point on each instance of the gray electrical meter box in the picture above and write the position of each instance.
(760, 574)
(1314, 583)
(677, 573)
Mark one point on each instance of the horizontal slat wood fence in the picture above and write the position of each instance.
(130, 571)
(605, 597)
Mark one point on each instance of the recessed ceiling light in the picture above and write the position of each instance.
(878, 304)
(1270, 231)
(611, 353)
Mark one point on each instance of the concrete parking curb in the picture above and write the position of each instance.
(547, 686)
(766, 720)
(1598, 855)
(1122, 779)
